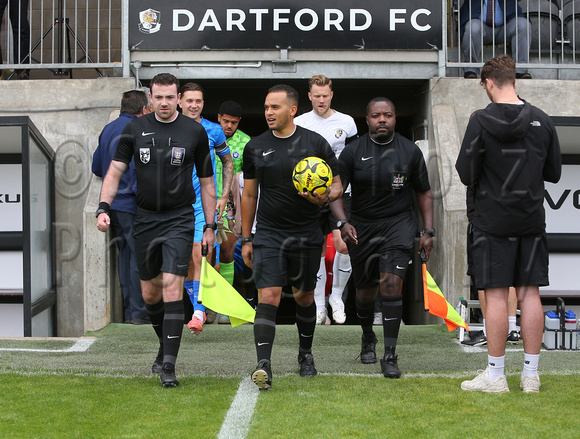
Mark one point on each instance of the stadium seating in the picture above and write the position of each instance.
(545, 25)
(571, 20)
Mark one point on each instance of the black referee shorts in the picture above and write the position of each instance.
(383, 247)
(164, 241)
(506, 262)
(290, 264)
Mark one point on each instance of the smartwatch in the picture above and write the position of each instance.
(341, 223)
(429, 232)
(244, 239)
(212, 226)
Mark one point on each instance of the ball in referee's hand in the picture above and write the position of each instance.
(312, 174)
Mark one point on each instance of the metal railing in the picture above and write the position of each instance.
(553, 28)
(60, 35)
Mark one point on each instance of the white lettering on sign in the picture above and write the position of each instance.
(366, 14)
(238, 21)
(416, 25)
(313, 19)
(305, 20)
(278, 19)
(393, 20)
(259, 13)
(209, 20)
(562, 202)
(330, 21)
(190, 20)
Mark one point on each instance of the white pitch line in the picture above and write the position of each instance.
(237, 421)
(81, 345)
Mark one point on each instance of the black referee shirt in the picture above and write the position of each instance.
(382, 177)
(165, 153)
(271, 160)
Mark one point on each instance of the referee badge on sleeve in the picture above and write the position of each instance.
(177, 156)
(398, 180)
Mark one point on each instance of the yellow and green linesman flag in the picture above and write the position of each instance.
(218, 295)
(436, 304)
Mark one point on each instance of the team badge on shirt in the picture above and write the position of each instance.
(177, 156)
(338, 133)
(145, 155)
(398, 180)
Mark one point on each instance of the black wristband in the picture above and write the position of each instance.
(103, 208)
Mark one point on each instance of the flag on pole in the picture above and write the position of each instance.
(218, 295)
(436, 303)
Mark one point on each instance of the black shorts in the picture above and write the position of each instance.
(328, 220)
(291, 264)
(383, 247)
(164, 241)
(469, 247)
(506, 262)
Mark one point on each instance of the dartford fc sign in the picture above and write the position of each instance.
(296, 24)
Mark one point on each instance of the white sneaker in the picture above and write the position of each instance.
(337, 306)
(481, 383)
(530, 384)
(378, 319)
(321, 317)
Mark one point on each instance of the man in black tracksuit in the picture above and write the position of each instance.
(510, 148)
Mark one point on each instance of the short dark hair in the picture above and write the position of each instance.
(231, 108)
(291, 93)
(192, 86)
(319, 80)
(133, 102)
(500, 69)
(380, 99)
(164, 79)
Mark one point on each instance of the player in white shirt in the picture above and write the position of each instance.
(338, 129)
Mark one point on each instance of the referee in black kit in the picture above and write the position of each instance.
(286, 246)
(385, 171)
(165, 146)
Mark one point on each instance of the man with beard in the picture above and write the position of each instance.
(385, 171)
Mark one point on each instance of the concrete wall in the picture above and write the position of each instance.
(70, 114)
(452, 101)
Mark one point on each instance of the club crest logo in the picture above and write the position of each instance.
(398, 180)
(338, 134)
(235, 155)
(145, 155)
(149, 21)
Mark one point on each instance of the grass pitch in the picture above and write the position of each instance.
(108, 390)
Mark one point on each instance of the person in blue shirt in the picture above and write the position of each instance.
(486, 22)
(191, 103)
(124, 208)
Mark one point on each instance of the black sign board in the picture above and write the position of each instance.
(296, 24)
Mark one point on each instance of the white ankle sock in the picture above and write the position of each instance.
(341, 270)
(512, 324)
(320, 289)
(495, 367)
(531, 364)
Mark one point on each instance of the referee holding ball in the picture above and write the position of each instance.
(286, 247)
